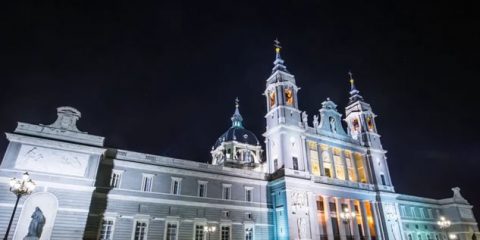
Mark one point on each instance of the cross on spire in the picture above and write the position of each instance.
(278, 64)
(277, 45)
(354, 93)
(237, 117)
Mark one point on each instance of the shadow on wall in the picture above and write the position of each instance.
(99, 200)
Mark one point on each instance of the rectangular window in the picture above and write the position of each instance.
(147, 182)
(227, 191)
(333, 207)
(225, 233)
(249, 233)
(140, 230)
(320, 206)
(339, 167)
(352, 176)
(327, 163)
(202, 189)
(116, 178)
(199, 232)
(382, 177)
(275, 164)
(360, 167)
(314, 163)
(248, 194)
(176, 185)
(412, 211)
(171, 231)
(404, 213)
(106, 230)
(430, 213)
(295, 163)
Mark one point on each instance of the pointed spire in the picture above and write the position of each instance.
(237, 117)
(278, 64)
(354, 93)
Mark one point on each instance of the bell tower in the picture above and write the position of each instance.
(284, 127)
(361, 127)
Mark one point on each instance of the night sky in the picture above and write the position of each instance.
(162, 78)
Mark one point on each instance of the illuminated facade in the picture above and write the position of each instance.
(314, 180)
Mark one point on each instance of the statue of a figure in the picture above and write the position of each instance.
(305, 118)
(36, 225)
(332, 125)
(315, 120)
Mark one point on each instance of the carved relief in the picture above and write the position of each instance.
(299, 200)
(52, 161)
(302, 228)
(392, 221)
(466, 213)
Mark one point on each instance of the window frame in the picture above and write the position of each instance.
(225, 186)
(113, 219)
(204, 183)
(250, 190)
(204, 234)
(176, 222)
(229, 230)
(145, 176)
(179, 186)
(119, 181)
(245, 227)
(142, 220)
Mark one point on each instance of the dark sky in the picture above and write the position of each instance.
(161, 78)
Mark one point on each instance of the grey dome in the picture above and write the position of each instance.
(237, 132)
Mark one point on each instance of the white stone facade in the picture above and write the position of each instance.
(310, 174)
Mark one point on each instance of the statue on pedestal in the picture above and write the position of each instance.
(36, 225)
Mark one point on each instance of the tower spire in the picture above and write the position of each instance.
(237, 117)
(278, 64)
(354, 93)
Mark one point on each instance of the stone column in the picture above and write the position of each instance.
(366, 228)
(306, 162)
(320, 160)
(341, 225)
(314, 224)
(345, 168)
(328, 220)
(354, 228)
(366, 169)
(376, 220)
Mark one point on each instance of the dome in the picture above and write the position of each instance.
(237, 132)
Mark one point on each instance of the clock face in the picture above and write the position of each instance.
(271, 96)
(289, 96)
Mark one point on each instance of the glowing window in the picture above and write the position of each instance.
(289, 96)
(271, 97)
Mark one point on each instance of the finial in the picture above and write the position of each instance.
(354, 93)
(352, 82)
(237, 117)
(278, 64)
(277, 46)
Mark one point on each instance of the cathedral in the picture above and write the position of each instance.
(325, 180)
